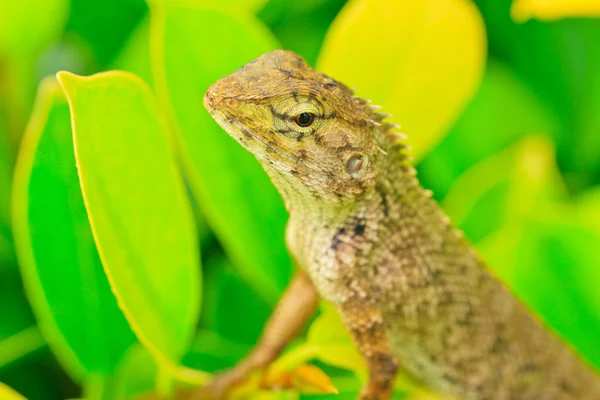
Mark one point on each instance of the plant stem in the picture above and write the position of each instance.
(20, 345)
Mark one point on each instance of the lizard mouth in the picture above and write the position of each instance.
(267, 146)
(227, 121)
(239, 132)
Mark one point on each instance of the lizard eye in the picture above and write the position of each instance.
(304, 119)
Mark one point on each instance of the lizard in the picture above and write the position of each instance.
(368, 238)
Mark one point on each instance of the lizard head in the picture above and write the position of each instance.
(308, 131)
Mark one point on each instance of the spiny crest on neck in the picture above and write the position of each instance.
(390, 138)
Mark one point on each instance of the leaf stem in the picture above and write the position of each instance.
(20, 345)
(97, 387)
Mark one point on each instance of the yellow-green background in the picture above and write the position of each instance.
(501, 103)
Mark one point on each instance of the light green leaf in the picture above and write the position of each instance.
(136, 201)
(136, 374)
(588, 213)
(249, 5)
(20, 345)
(26, 26)
(56, 249)
(505, 189)
(7, 393)
(503, 110)
(588, 202)
(135, 55)
(135, 58)
(507, 186)
(239, 202)
(421, 60)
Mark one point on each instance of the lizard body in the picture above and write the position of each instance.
(409, 287)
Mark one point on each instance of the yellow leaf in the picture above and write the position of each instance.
(7, 393)
(421, 60)
(548, 10)
(535, 177)
(284, 384)
(310, 379)
(306, 379)
(332, 343)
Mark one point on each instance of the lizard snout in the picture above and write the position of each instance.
(209, 98)
(217, 97)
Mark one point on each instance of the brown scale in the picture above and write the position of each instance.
(369, 239)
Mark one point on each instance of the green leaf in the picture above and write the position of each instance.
(504, 110)
(136, 202)
(7, 393)
(135, 55)
(301, 26)
(136, 374)
(211, 352)
(226, 294)
(20, 345)
(234, 193)
(6, 166)
(421, 60)
(19, 337)
(36, 380)
(556, 274)
(587, 205)
(135, 58)
(69, 292)
(103, 26)
(249, 5)
(504, 187)
(560, 60)
(25, 27)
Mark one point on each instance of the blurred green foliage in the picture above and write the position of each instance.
(103, 298)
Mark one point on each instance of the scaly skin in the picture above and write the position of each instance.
(411, 290)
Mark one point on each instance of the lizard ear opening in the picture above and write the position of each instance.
(356, 164)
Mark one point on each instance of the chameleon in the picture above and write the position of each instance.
(366, 236)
